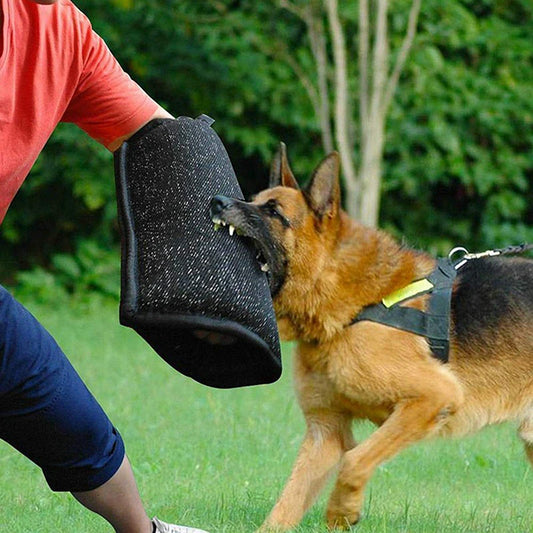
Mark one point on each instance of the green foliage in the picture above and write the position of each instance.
(89, 269)
(40, 285)
(460, 142)
(458, 163)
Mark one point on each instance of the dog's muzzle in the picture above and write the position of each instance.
(218, 204)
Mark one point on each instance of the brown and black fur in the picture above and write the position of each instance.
(324, 268)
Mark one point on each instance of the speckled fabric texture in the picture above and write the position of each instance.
(178, 274)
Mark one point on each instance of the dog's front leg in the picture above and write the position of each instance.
(327, 438)
(412, 420)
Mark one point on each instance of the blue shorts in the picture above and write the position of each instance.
(46, 412)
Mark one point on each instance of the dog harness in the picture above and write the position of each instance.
(434, 323)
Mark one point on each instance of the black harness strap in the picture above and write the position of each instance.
(434, 324)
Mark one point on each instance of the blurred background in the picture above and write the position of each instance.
(430, 104)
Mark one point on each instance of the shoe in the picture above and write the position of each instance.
(163, 527)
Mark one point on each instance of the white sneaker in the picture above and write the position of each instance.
(163, 527)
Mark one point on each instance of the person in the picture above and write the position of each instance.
(54, 68)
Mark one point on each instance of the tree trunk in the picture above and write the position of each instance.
(370, 172)
(315, 28)
(364, 45)
(376, 90)
(372, 147)
(342, 108)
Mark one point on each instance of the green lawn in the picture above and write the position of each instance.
(218, 459)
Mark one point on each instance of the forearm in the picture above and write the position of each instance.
(117, 143)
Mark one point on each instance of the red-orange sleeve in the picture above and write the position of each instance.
(107, 103)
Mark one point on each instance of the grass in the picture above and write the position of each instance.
(218, 459)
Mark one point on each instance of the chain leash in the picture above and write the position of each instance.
(467, 256)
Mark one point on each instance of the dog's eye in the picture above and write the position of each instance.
(273, 209)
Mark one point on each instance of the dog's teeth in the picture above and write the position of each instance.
(216, 220)
(265, 267)
(231, 229)
(223, 223)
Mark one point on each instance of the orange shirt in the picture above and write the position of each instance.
(54, 68)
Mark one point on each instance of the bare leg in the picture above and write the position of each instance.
(118, 501)
(327, 438)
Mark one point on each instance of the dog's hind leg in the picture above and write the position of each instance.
(328, 437)
(412, 420)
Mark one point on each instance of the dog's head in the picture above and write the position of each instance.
(288, 225)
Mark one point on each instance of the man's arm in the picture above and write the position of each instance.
(117, 143)
(107, 103)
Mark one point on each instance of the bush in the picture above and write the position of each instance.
(92, 269)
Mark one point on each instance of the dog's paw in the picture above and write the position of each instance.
(342, 520)
(343, 513)
(344, 506)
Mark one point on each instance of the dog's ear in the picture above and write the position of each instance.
(280, 170)
(323, 191)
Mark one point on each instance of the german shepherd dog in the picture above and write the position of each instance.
(323, 269)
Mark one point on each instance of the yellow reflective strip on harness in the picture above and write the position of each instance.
(411, 290)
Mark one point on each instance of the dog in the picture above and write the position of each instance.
(323, 269)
